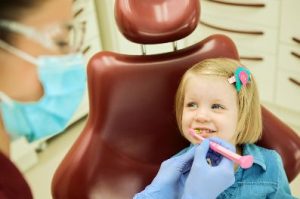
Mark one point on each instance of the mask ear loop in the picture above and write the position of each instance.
(4, 98)
(28, 32)
(11, 49)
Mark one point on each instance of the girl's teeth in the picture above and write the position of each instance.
(198, 131)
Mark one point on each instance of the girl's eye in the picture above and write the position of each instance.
(192, 105)
(217, 106)
(62, 44)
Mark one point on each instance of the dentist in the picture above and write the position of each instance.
(42, 73)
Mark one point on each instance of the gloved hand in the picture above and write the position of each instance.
(165, 185)
(205, 181)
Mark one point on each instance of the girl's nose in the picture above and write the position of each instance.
(202, 115)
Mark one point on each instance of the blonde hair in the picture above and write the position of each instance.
(249, 125)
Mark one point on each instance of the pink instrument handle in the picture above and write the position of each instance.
(244, 161)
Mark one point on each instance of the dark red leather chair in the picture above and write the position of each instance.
(131, 126)
(12, 183)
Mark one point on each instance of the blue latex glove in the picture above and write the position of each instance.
(165, 185)
(205, 181)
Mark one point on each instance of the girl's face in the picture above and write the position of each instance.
(210, 106)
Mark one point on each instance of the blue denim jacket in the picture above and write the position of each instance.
(265, 179)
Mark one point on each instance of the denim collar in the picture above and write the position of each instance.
(251, 149)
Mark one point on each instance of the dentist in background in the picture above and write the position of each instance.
(42, 75)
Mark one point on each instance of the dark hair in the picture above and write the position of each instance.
(14, 10)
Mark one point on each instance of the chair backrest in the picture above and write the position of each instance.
(12, 182)
(131, 126)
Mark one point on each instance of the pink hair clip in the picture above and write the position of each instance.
(241, 77)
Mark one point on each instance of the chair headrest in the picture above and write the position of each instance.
(156, 21)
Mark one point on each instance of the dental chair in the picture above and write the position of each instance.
(12, 182)
(131, 127)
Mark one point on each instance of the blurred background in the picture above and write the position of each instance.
(268, 39)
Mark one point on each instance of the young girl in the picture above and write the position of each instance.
(219, 98)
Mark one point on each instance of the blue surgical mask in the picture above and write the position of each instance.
(64, 82)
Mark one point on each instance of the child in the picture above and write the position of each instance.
(219, 97)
